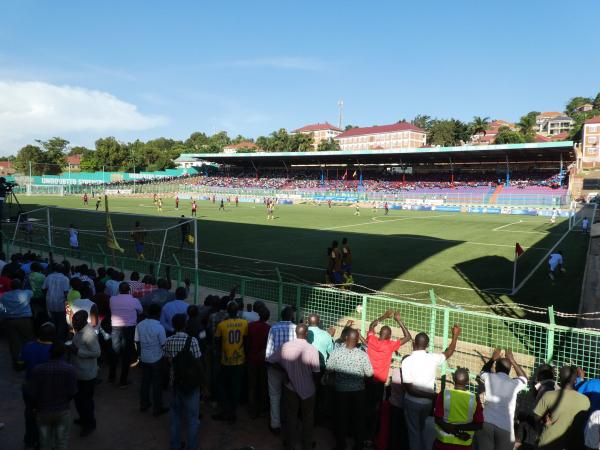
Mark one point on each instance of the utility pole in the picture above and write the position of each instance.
(341, 110)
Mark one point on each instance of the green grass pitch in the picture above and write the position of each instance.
(465, 258)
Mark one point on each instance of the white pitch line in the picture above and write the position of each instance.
(385, 221)
(507, 225)
(320, 269)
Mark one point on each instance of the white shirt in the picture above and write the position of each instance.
(592, 431)
(420, 370)
(73, 237)
(555, 260)
(501, 399)
(86, 305)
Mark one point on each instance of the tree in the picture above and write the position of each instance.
(575, 103)
(597, 101)
(422, 121)
(217, 141)
(197, 141)
(328, 145)
(54, 154)
(349, 127)
(507, 136)
(447, 132)
(527, 124)
(479, 125)
(30, 154)
(301, 142)
(78, 150)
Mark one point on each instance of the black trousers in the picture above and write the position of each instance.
(152, 379)
(350, 414)
(84, 402)
(374, 393)
(122, 349)
(31, 437)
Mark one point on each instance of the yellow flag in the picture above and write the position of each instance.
(111, 240)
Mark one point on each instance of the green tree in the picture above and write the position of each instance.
(575, 103)
(507, 136)
(479, 125)
(447, 132)
(197, 141)
(527, 125)
(328, 145)
(349, 127)
(216, 142)
(78, 150)
(30, 154)
(54, 154)
(422, 121)
(301, 142)
(597, 101)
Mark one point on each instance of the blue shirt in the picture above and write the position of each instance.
(16, 304)
(591, 389)
(322, 341)
(33, 354)
(171, 309)
(152, 337)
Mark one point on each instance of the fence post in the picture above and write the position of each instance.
(178, 269)
(196, 286)
(550, 336)
(433, 319)
(299, 302)
(363, 316)
(445, 342)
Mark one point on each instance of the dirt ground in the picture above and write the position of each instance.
(121, 426)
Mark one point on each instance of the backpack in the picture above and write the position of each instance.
(187, 373)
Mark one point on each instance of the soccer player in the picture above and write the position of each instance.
(138, 236)
(374, 205)
(271, 210)
(97, 203)
(155, 198)
(73, 237)
(336, 257)
(386, 208)
(159, 204)
(85, 199)
(213, 199)
(357, 209)
(556, 263)
(177, 202)
(237, 201)
(329, 203)
(222, 207)
(554, 215)
(585, 224)
(194, 208)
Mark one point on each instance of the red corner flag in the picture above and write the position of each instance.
(519, 250)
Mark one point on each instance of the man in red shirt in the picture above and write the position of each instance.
(258, 333)
(380, 350)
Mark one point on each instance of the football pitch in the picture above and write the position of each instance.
(467, 259)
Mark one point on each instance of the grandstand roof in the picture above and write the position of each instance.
(401, 126)
(545, 151)
(317, 127)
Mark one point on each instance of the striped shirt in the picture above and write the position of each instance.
(176, 343)
(299, 360)
(279, 334)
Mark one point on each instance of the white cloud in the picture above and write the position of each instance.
(285, 62)
(34, 109)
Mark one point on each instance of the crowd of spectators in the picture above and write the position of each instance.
(64, 323)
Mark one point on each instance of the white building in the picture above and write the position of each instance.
(383, 137)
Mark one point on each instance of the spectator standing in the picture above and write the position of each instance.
(150, 337)
(53, 385)
(300, 362)
(258, 333)
(279, 334)
(170, 309)
(135, 285)
(563, 414)
(398, 436)
(32, 355)
(184, 353)
(85, 351)
(319, 338)
(124, 311)
(351, 366)
(592, 432)
(380, 350)
(162, 295)
(500, 402)
(419, 371)
(56, 287)
(36, 282)
(16, 306)
(590, 388)
(458, 414)
(230, 338)
(112, 285)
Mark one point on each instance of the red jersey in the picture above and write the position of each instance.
(193, 207)
(380, 353)
(258, 333)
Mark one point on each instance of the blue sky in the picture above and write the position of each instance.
(146, 69)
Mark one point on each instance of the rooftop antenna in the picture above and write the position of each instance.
(341, 108)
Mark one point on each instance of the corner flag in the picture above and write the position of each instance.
(111, 240)
(519, 250)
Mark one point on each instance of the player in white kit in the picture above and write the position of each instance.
(555, 263)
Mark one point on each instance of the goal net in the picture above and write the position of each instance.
(160, 240)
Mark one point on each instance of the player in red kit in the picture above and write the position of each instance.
(194, 208)
(85, 199)
(237, 201)
(177, 202)
(386, 208)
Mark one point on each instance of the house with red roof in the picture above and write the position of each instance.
(74, 163)
(6, 168)
(382, 137)
(488, 136)
(319, 131)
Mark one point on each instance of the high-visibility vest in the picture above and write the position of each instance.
(459, 409)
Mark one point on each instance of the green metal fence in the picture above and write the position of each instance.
(533, 342)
